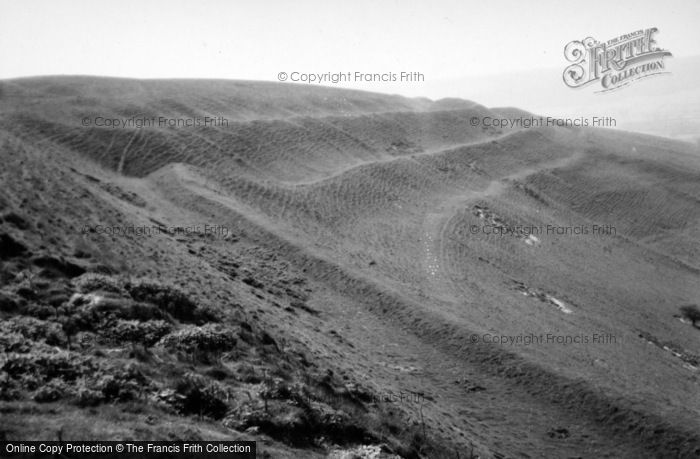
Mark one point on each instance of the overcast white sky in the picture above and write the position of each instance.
(257, 39)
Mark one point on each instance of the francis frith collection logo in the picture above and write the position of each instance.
(616, 62)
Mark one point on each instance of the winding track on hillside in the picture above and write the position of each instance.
(439, 226)
(393, 158)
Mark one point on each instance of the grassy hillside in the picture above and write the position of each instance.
(350, 267)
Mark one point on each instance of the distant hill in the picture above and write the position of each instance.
(666, 105)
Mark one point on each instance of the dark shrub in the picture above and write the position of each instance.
(40, 311)
(35, 329)
(199, 397)
(92, 282)
(13, 342)
(88, 397)
(122, 384)
(7, 303)
(168, 298)
(98, 308)
(53, 267)
(10, 248)
(133, 331)
(42, 365)
(691, 312)
(208, 339)
(8, 387)
(54, 390)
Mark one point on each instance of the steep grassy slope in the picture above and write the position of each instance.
(352, 221)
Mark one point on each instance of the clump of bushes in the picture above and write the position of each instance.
(53, 390)
(110, 385)
(122, 386)
(277, 388)
(201, 397)
(85, 396)
(133, 331)
(90, 312)
(112, 291)
(300, 424)
(34, 329)
(40, 311)
(13, 342)
(7, 302)
(8, 387)
(168, 298)
(201, 341)
(93, 282)
(42, 365)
